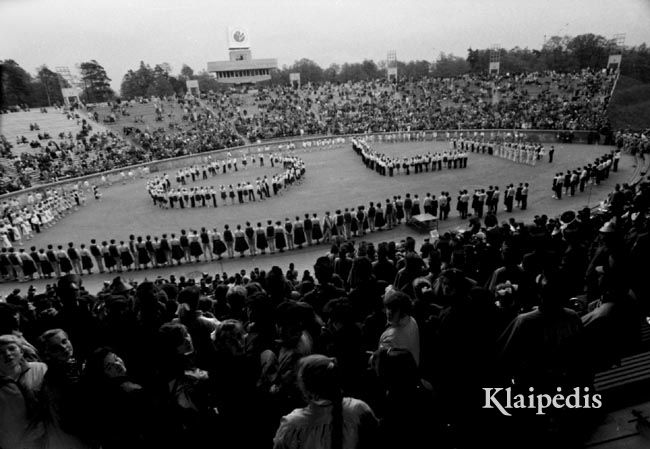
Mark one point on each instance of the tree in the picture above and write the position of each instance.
(331, 73)
(208, 82)
(448, 66)
(416, 69)
(280, 77)
(166, 67)
(588, 50)
(136, 84)
(15, 84)
(97, 86)
(310, 72)
(50, 84)
(160, 85)
(186, 73)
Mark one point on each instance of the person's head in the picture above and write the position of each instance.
(189, 297)
(56, 346)
(68, 289)
(396, 369)
(104, 364)
(397, 305)
(175, 340)
(323, 270)
(318, 378)
(230, 336)
(450, 285)
(11, 354)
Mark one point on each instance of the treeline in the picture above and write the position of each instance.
(19, 87)
(559, 53)
(44, 89)
(158, 81)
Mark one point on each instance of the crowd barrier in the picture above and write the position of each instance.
(534, 135)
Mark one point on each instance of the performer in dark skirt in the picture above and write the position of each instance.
(109, 262)
(64, 260)
(195, 246)
(115, 254)
(380, 222)
(279, 237)
(415, 210)
(143, 254)
(86, 259)
(354, 224)
(231, 194)
(161, 256)
(54, 261)
(362, 218)
(250, 238)
(166, 249)
(270, 235)
(307, 226)
(399, 209)
(177, 250)
(229, 240)
(316, 230)
(260, 234)
(125, 256)
(29, 267)
(46, 266)
(298, 233)
(218, 246)
(241, 246)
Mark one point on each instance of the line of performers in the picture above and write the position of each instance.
(385, 165)
(578, 178)
(164, 196)
(171, 249)
(522, 153)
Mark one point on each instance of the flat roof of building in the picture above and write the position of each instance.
(251, 64)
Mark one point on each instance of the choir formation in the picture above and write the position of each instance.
(385, 165)
(164, 195)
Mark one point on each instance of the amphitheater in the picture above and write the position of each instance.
(256, 123)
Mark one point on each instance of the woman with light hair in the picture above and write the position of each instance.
(329, 420)
(21, 424)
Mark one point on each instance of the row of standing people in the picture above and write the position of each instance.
(522, 153)
(592, 174)
(142, 253)
(385, 165)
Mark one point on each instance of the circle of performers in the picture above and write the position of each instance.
(165, 196)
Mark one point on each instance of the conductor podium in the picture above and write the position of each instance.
(423, 222)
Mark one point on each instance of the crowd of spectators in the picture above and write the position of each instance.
(635, 143)
(548, 100)
(386, 346)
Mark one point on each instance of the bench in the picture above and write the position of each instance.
(628, 380)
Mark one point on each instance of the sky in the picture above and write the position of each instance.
(121, 33)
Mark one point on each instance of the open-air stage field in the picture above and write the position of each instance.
(336, 178)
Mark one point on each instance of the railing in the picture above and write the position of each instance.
(536, 135)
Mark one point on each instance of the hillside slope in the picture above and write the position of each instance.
(630, 104)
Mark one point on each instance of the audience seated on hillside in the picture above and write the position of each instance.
(177, 126)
